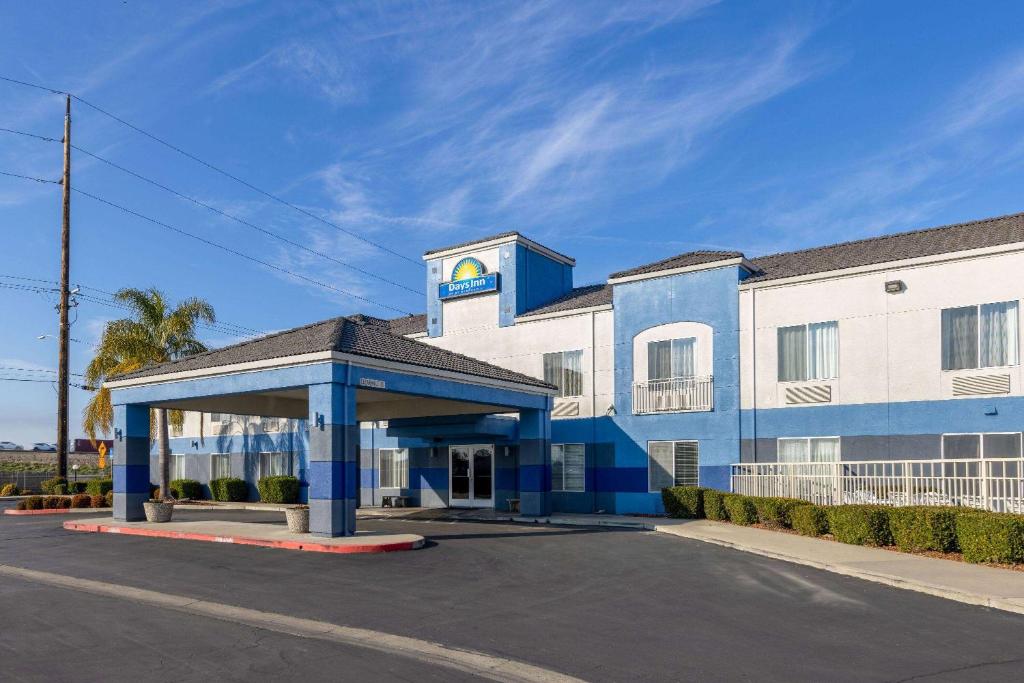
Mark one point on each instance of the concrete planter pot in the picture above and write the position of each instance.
(298, 520)
(158, 511)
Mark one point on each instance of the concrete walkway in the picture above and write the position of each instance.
(970, 583)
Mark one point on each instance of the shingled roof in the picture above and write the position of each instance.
(579, 297)
(358, 335)
(690, 258)
(987, 232)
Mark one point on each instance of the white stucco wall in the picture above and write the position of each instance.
(889, 344)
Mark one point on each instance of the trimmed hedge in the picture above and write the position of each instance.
(99, 487)
(186, 488)
(54, 486)
(990, 536)
(809, 520)
(229, 489)
(281, 489)
(81, 500)
(741, 509)
(923, 528)
(776, 511)
(714, 505)
(98, 501)
(32, 503)
(684, 501)
(860, 524)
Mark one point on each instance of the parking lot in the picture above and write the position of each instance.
(597, 604)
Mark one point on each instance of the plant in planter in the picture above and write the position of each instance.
(158, 510)
(298, 519)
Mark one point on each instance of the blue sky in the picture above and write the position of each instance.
(616, 133)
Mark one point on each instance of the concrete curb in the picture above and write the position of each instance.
(310, 546)
(57, 511)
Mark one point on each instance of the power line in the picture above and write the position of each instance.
(29, 135)
(44, 381)
(28, 177)
(243, 221)
(222, 327)
(247, 184)
(3, 368)
(236, 252)
(217, 169)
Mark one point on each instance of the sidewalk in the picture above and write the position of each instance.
(974, 584)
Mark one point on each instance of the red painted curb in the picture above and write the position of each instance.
(242, 540)
(58, 511)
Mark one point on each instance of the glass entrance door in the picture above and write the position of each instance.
(471, 476)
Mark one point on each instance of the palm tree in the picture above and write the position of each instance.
(153, 333)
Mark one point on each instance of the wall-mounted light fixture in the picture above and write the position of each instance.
(319, 419)
(895, 286)
(195, 445)
(117, 434)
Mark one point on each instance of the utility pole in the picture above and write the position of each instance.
(65, 332)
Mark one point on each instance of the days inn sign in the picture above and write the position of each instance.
(468, 277)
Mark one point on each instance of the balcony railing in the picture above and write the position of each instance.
(989, 484)
(681, 395)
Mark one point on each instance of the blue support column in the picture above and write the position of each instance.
(131, 461)
(333, 458)
(535, 462)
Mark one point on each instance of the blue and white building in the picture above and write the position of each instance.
(517, 385)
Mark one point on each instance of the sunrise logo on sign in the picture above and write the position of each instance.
(468, 277)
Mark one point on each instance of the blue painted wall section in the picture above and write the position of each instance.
(333, 459)
(539, 279)
(435, 276)
(131, 461)
(706, 296)
(535, 462)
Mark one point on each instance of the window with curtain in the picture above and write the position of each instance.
(564, 369)
(808, 449)
(984, 336)
(568, 467)
(672, 463)
(671, 359)
(394, 468)
(177, 466)
(275, 465)
(808, 352)
(220, 466)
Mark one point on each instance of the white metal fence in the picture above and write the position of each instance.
(679, 395)
(989, 484)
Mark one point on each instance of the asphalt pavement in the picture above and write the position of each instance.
(598, 604)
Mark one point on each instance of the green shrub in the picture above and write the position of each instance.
(98, 501)
(776, 511)
(99, 487)
(34, 503)
(8, 490)
(990, 536)
(186, 488)
(81, 500)
(55, 486)
(809, 520)
(51, 502)
(683, 501)
(714, 505)
(229, 489)
(860, 524)
(74, 487)
(923, 528)
(740, 508)
(282, 489)
(109, 499)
